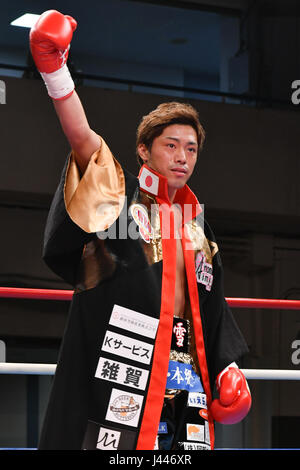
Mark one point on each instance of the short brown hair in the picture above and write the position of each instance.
(166, 114)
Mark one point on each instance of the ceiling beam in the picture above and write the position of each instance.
(222, 7)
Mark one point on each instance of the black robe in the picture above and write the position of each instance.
(109, 270)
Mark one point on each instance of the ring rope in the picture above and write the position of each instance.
(49, 369)
(59, 294)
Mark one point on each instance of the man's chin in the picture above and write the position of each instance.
(177, 184)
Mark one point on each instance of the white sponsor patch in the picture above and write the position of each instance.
(197, 400)
(108, 439)
(121, 373)
(195, 432)
(204, 271)
(127, 347)
(124, 407)
(136, 322)
(195, 446)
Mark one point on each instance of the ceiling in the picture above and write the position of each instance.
(186, 35)
(169, 33)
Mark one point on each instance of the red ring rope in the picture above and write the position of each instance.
(58, 294)
(26, 293)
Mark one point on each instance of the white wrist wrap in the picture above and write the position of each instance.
(58, 83)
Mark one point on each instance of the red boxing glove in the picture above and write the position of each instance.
(235, 398)
(50, 40)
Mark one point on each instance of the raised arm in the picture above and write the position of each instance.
(50, 40)
(74, 123)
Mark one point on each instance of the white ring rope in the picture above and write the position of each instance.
(27, 369)
(271, 374)
(49, 369)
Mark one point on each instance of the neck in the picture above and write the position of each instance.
(171, 193)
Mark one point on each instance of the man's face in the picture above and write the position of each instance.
(173, 154)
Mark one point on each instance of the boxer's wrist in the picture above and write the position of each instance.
(59, 84)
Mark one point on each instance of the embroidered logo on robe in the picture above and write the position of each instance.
(179, 332)
(197, 400)
(108, 439)
(204, 271)
(103, 437)
(124, 407)
(195, 432)
(193, 446)
(125, 346)
(182, 377)
(162, 428)
(130, 320)
(180, 335)
(140, 216)
(124, 374)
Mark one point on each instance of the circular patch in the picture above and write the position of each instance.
(124, 407)
(140, 216)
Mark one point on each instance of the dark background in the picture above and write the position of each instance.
(235, 61)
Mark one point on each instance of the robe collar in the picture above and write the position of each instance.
(154, 183)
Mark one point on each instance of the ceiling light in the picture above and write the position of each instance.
(26, 21)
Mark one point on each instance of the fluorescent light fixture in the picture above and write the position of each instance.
(26, 21)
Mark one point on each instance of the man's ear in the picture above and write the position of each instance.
(143, 152)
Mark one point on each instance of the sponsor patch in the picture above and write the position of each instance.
(197, 400)
(195, 432)
(127, 347)
(121, 373)
(108, 439)
(203, 413)
(162, 428)
(102, 437)
(124, 408)
(180, 335)
(204, 271)
(179, 332)
(136, 322)
(141, 218)
(194, 446)
(182, 377)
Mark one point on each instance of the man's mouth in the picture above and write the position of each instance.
(179, 171)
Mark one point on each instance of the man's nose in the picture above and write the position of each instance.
(180, 155)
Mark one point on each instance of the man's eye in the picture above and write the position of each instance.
(171, 146)
(192, 149)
